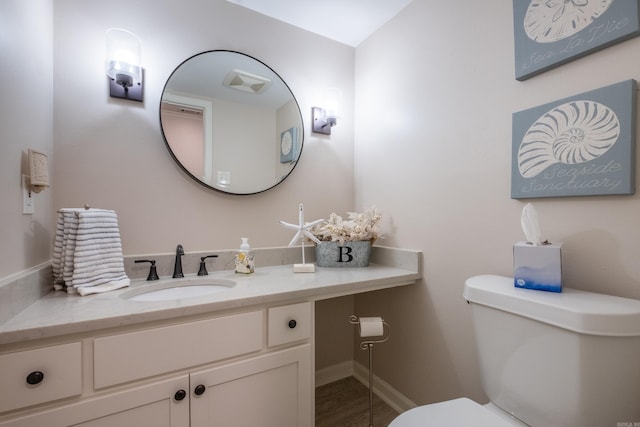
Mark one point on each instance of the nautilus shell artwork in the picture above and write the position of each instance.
(549, 21)
(571, 133)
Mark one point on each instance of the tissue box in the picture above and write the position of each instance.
(538, 267)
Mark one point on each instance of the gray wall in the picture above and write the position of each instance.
(439, 83)
(26, 121)
(110, 153)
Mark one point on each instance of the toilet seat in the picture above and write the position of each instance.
(457, 412)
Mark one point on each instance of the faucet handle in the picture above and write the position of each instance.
(203, 268)
(153, 274)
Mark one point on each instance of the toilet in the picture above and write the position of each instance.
(546, 359)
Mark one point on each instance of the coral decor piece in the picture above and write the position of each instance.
(363, 226)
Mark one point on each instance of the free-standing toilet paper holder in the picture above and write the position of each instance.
(368, 345)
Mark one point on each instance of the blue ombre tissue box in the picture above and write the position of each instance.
(538, 267)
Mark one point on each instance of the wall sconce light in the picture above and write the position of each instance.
(123, 64)
(325, 118)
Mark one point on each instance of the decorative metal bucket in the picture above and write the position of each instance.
(347, 254)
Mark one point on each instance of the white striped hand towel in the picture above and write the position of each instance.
(98, 265)
(87, 252)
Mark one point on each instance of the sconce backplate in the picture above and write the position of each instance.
(133, 93)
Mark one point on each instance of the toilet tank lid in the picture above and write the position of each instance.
(572, 309)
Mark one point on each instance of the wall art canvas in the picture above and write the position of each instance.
(583, 145)
(548, 33)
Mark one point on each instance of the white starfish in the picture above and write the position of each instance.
(302, 229)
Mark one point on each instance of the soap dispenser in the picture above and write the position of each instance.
(244, 258)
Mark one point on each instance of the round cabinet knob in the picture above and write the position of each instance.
(35, 377)
(199, 389)
(292, 323)
(180, 395)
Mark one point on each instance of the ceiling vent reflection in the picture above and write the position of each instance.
(246, 82)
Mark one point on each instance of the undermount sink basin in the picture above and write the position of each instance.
(174, 289)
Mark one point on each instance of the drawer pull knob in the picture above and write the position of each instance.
(180, 395)
(199, 389)
(292, 323)
(35, 377)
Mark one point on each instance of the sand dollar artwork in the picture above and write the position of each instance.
(548, 21)
(571, 133)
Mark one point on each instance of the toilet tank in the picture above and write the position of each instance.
(557, 359)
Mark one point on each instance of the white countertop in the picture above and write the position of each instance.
(59, 313)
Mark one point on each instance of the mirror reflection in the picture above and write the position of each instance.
(231, 122)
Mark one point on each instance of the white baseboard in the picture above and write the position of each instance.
(382, 389)
(392, 397)
(334, 373)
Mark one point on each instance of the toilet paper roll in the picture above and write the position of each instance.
(371, 327)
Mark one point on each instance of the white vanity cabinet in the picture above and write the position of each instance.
(156, 405)
(142, 354)
(272, 390)
(251, 368)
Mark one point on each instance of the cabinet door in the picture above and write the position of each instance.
(155, 405)
(272, 390)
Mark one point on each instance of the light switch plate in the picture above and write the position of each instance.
(27, 197)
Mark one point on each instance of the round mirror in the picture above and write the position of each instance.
(231, 122)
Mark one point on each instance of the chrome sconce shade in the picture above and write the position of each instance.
(123, 64)
(323, 119)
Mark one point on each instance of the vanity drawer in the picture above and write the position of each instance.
(289, 323)
(141, 354)
(41, 375)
